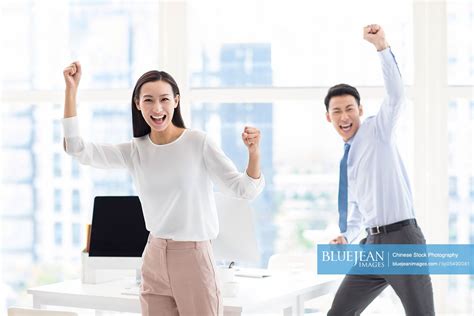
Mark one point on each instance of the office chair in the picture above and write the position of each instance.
(21, 311)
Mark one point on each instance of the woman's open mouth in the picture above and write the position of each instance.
(158, 119)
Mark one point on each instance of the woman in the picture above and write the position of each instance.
(173, 169)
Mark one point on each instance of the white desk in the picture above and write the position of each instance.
(285, 291)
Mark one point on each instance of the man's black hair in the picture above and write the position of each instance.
(341, 89)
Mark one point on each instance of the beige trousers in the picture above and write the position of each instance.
(179, 278)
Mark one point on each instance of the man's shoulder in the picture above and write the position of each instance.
(366, 130)
(368, 122)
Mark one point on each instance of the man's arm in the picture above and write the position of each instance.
(390, 110)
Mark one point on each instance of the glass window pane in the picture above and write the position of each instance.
(115, 41)
(75, 170)
(76, 201)
(252, 43)
(460, 15)
(10, 227)
(16, 268)
(471, 188)
(460, 188)
(36, 192)
(300, 154)
(76, 234)
(10, 122)
(58, 200)
(16, 46)
(17, 199)
(57, 160)
(57, 132)
(22, 158)
(58, 234)
(109, 123)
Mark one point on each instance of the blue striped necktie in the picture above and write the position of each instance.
(342, 200)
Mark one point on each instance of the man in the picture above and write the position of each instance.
(374, 191)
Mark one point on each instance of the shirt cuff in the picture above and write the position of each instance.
(258, 183)
(71, 127)
(350, 235)
(345, 234)
(388, 59)
(386, 54)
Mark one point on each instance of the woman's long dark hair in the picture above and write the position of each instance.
(140, 126)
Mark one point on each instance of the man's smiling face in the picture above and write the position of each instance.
(344, 113)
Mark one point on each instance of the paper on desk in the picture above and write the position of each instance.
(133, 290)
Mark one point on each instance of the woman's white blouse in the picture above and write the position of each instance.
(174, 181)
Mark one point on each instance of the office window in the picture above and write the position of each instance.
(460, 165)
(472, 278)
(58, 234)
(299, 158)
(453, 222)
(112, 58)
(217, 25)
(461, 140)
(453, 186)
(76, 201)
(300, 197)
(453, 106)
(16, 234)
(57, 132)
(17, 157)
(17, 200)
(453, 109)
(110, 123)
(135, 36)
(471, 235)
(460, 24)
(471, 187)
(75, 169)
(17, 126)
(17, 45)
(76, 234)
(58, 200)
(57, 165)
(452, 283)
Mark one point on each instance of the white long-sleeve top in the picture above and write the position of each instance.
(174, 181)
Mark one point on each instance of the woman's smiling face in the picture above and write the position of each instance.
(157, 103)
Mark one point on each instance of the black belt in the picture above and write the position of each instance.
(391, 227)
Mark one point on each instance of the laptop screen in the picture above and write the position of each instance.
(118, 228)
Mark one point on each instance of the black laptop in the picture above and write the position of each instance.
(118, 227)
